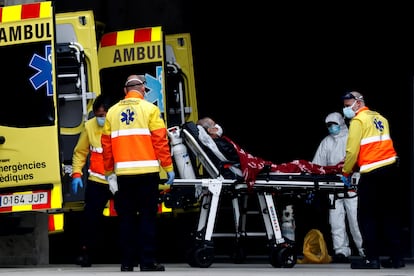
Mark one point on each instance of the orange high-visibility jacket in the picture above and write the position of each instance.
(89, 143)
(369, 144)
(134, 138)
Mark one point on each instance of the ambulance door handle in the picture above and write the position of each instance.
(2, 140)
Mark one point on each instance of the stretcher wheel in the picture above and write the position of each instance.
(201, 256)
(190, 257)
(283, 257)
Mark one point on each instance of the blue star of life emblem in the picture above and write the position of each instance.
(43, 65)
(378, 124)
(127, 116)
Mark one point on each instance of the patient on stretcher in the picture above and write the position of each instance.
(229, 155)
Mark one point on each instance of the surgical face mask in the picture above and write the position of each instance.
(100, 120)
(219, 130)
(334, 129)
(349, 112)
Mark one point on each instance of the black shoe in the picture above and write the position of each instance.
(340, 259)
(393, 263)
(83, 260)
(127, 268)
(152, 267)
(365, 264)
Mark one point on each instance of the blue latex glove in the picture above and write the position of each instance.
(310, 197)
(76, 183)
(346, 180)
(171, 176)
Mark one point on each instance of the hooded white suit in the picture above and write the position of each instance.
(330, 152)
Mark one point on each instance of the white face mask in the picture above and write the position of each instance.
(215, 130)
(219, 129)
(349, 112)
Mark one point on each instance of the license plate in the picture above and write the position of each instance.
(23, 199)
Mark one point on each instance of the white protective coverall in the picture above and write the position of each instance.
(330, 152)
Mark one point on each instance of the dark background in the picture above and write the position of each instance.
(269, 73)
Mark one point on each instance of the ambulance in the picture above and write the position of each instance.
(55, 71)
(30, 155)
(168, 69)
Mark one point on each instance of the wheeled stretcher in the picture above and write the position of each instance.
(210, 190)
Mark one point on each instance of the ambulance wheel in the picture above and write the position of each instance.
(201, 257)
(283, 257)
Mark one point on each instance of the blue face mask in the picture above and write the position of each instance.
(334, 129)
(349, 112)
(100, 120)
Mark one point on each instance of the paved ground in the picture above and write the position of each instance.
(222, 269)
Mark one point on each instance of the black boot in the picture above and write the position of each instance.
(152, 267)
(366, 264)
(340, 258)
(393, 263)
(83, 259)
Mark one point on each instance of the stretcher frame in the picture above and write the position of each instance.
(210, 190)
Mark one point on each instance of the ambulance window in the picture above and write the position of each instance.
(113, 79)
(65, 33)
(24, 101)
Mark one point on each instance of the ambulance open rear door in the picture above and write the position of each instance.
(78, 84)
(30, 166)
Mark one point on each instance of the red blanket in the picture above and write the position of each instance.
(251, 166)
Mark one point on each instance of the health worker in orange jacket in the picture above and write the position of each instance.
(97, 191)
(135, 145)
(370, 151)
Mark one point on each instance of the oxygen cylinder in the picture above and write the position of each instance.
(288, 223)
(180, 154)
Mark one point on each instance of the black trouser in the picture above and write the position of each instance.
(138, 194)
(96, 198)
(379, 211)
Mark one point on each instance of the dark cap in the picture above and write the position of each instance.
(353, 95)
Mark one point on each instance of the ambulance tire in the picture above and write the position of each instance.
(283, 257)
(202, 257)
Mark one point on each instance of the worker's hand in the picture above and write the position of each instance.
(346, 180)
(309, 198)
(76, 183)
(340, 165)
(171, 176)
(113, 182)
